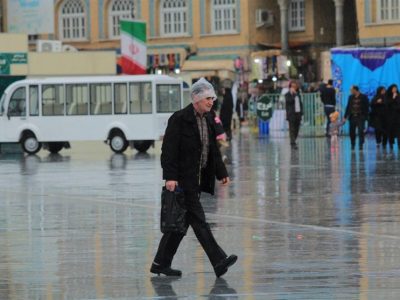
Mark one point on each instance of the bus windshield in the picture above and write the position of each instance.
(2, 103)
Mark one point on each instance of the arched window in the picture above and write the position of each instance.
(224, 16)
(72, 18)
(117, 10)
(173, 17)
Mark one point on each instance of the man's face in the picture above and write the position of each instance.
(353, 91)
(293, 86)
(204, 105)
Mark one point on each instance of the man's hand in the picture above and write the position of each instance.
(170, 185)
(225, 181)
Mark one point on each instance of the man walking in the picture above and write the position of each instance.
(328, 98)
(191, 160)
(357, 113)
(294, 112)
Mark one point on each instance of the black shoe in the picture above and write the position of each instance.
(168, 271)
(222, 267)
(294, 147)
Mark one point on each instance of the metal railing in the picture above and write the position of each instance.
(314, 121)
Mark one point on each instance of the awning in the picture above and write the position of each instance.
(210, 63)
(214, 65)
(266, 53)
(292, 44)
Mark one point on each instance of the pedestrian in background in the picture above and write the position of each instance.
(328, 98)
(392, 114)
(226, 112)
(190, 160)
(357, 113)
(377, 116)
(294, 112)
(334, 128)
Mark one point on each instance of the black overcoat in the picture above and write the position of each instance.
(392, 111)
(226, 111)
(181, 152)
(377, 113)
(364, 107)
(291, 113)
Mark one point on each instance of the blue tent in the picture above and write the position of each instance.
(368, 68)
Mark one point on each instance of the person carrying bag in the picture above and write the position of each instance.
(191, 161)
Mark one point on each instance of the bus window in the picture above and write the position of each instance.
(168, 98)
(17, 105)
(77, 99)
(33, 100)
(53, 100)
(146, 98)
(120, 98)
(3, 98)
(100, 99)
(140, 98)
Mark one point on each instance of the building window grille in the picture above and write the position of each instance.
(117, 10)
(389, 10)
(297, 15)
(224, 16)
(73, 21)
(174, 17)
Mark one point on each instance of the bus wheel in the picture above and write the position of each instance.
(30, 144)
(118, 143)
(142, 146)
(55, 147)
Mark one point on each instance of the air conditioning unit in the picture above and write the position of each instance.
(48, 46)
(264, 17)
(69, 48)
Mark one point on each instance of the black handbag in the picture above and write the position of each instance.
(173, 212)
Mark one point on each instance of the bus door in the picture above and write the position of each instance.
(169, 99)
(16, 113)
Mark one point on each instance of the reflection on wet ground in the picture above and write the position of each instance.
(318, 223)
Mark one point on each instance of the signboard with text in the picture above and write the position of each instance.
(264, 108)
(8, 59)
(30, 16)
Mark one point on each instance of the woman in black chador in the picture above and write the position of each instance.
(227, 111)
(377, 116)
(392, 112)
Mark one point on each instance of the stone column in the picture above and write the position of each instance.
(283, 5)
(339, 22)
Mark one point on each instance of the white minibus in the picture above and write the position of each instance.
(120, 110)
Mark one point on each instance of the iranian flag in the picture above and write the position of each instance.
(133, 47)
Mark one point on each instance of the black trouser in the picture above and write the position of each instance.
(196, 218)
(393, 132)
(357, 122)
(379, 136)
(226, 123)
(328, 110)
(380, 130)
(294, 127)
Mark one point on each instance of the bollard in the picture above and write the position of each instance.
(263, 128)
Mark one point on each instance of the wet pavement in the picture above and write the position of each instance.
(316, 223)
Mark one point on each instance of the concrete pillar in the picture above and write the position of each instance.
(339, 22)
(284, 6)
